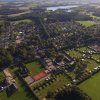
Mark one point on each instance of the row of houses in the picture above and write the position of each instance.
(10, 79)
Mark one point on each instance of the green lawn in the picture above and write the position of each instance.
(92, 87)
(74, 54)
(86, 23)
(34, 67)
(61, 80)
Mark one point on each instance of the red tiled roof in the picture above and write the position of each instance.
(39, 76)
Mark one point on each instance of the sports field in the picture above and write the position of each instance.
(34, 68)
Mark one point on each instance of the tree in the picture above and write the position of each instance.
(50, 96)
(9, 58)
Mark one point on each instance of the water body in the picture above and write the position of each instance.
(62, 7)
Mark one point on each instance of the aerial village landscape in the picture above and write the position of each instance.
(49, 51)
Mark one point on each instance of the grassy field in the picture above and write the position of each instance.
(92, 87)
(60, 81)
(86, 23)
(34, 67)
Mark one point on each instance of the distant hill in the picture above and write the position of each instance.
(80, 1)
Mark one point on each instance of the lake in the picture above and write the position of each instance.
(61, 7)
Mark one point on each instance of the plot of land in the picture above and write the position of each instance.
(93, 85)
(34, 67)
